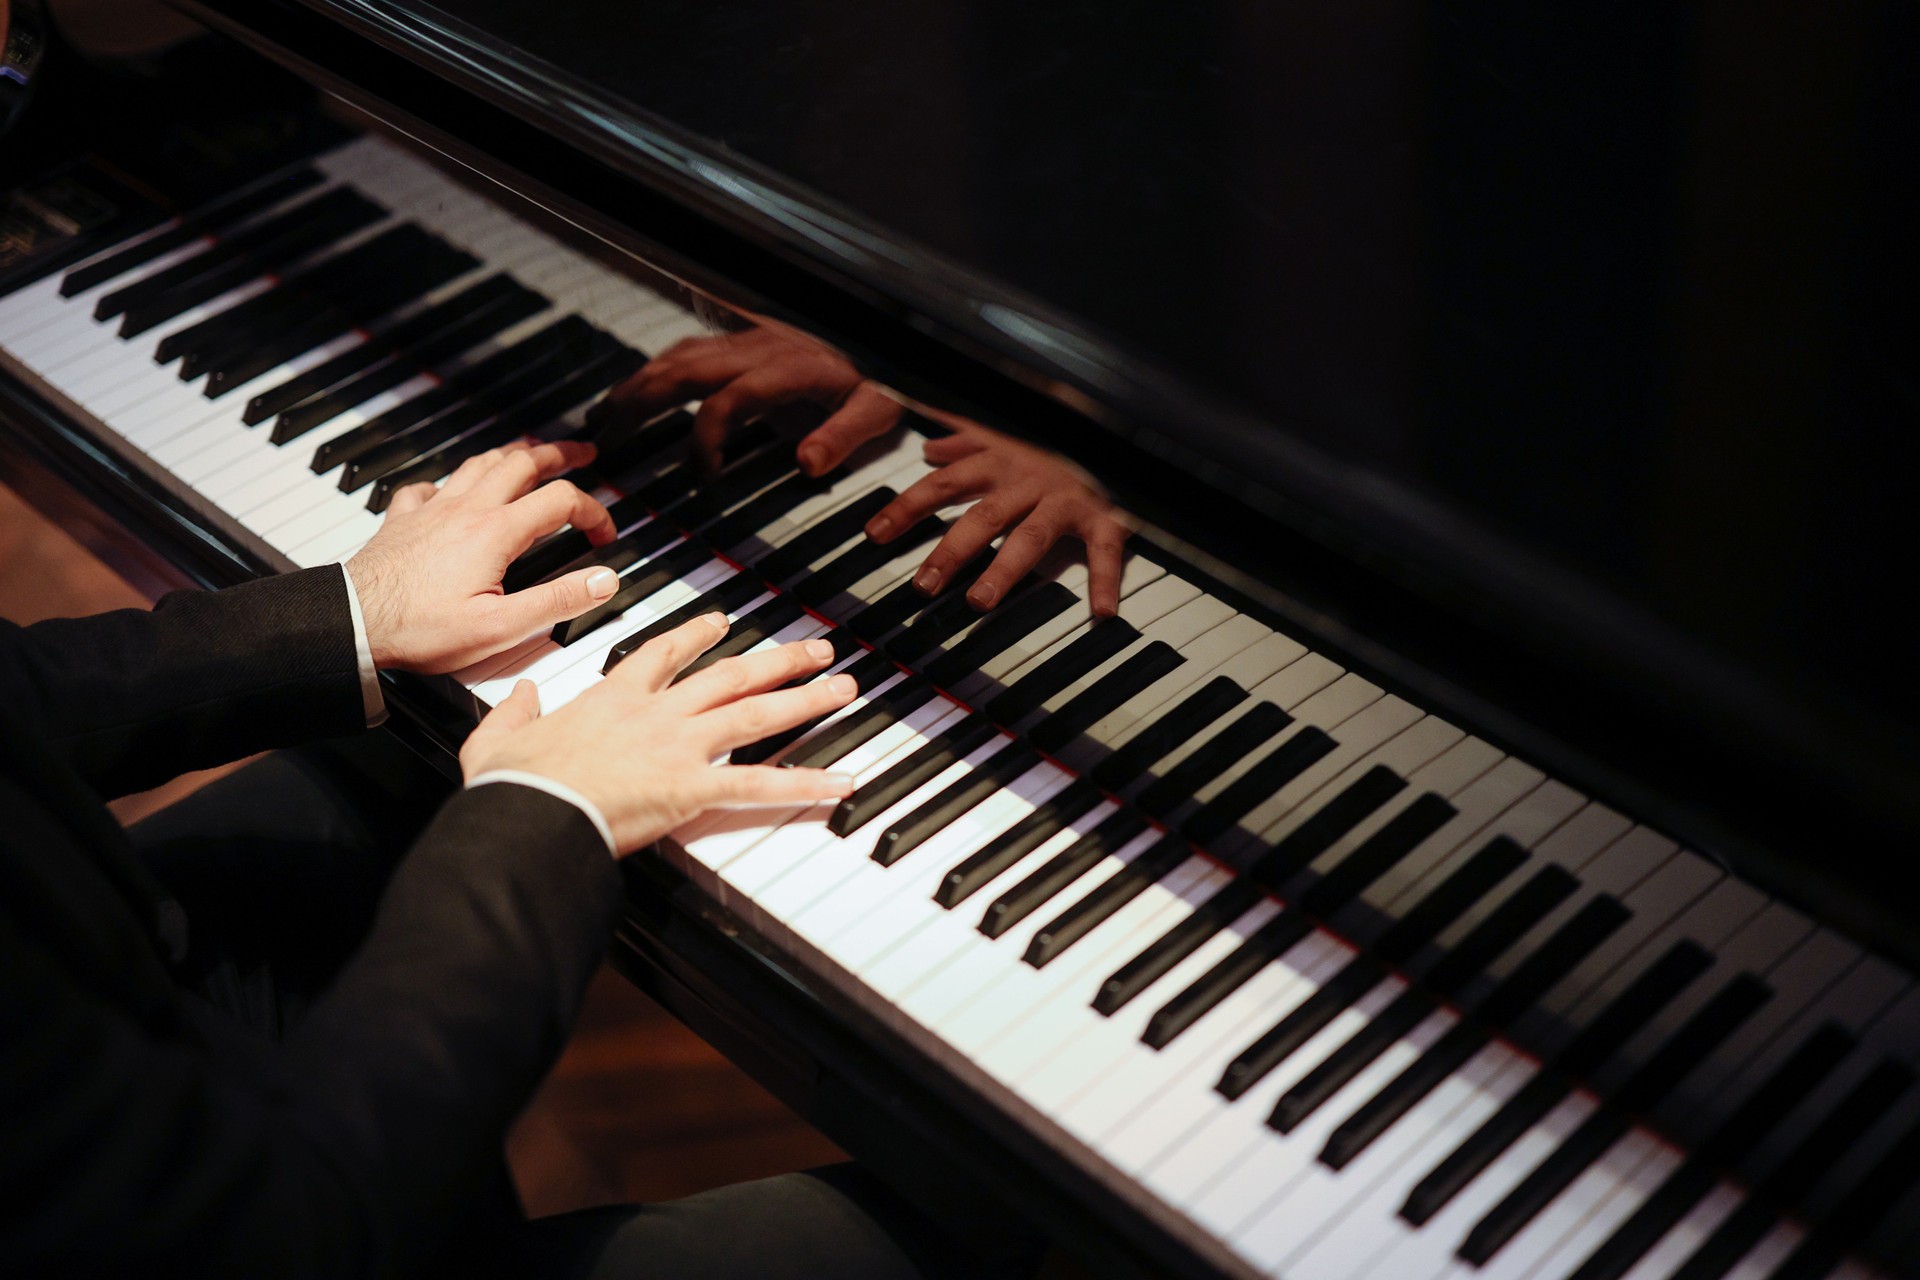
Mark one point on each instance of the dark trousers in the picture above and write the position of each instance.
(279, 867)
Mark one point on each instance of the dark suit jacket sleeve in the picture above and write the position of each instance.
(355, 1148)
(134, 697)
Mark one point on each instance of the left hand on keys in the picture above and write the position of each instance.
(429, 580)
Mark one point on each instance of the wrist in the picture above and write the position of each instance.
(378, 612)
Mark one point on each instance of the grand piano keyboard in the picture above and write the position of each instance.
(1329, 986)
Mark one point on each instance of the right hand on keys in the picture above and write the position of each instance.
(642, 748)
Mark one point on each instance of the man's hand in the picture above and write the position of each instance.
(429, 581)
(642, 748)
(1029, 494)
(739, 376)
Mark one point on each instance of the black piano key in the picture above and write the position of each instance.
(1100, 904)
(1891, 1176)
(1373, 858)
(1470, 882)
(625, 451)
(336, 291)
(299, 291)
(382, 344)
(208, 219)
(901, 780)
(1269, 942)
(792, 557)
(889, 613)
(1790, 1180)
(1698, 1037)
(1305, 1021)
(259, 238)
(751, 517)
(1109, 693)
(1555, 958)
(1226, 905)
(1467, 884)
(981, 867)
(1528, 905)
(1329, 822)
(867, 672)
(860, 560)
(569, 549)
(853, 731)
(1624, 1015)
(736, 591)
(1000, 631)
(349, 446)
(1061, 870)
(1534, 976)
(904, 605)
(1212, 758)
(1105, 638)
(761, 624)
(297, 242)
(735, 485)
(776, 613)
(1257, 785)
(360, 306)
(638, 543)
(729, 597)
(662, 571)
(531, 417)
(677, 483)
(534, 374)
(938, 623)
(953, 803)
(1378, 854)
(1789, 1084)
(428, 271)
(1300, 846)
(1168, 732)
(391, 357)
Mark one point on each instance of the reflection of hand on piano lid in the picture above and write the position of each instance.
(1031, 495)
(1016, 489)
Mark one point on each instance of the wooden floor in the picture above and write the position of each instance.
(638, 1108)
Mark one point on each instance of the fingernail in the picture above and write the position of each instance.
(812, 460)
(843, 686)
(984, 594)
(880, 528)
(928, 579)
(715, 620)
(602, 583)
(842, 784)
(819, 650)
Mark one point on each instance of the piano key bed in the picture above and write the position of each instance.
(1331, 982)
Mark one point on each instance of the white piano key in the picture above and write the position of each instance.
(1019, 1016)
(567, 683)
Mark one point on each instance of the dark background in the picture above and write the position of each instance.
(1628, 284)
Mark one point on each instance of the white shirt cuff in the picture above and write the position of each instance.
(372, 701)
(559, 791)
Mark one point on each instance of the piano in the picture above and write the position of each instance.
(1402, 885)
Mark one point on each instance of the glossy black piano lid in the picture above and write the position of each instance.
(1593, 317)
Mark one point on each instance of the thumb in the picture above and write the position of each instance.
(538, 607)
(517, 710)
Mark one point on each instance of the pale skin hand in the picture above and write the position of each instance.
(641, 747)
(1024, 492)
(739, 376)
(429, 580)
(1034, 497)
